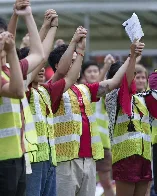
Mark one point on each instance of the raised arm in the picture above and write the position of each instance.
(108, 61)
(108, 85)
(136, 50)
(66, 60)
(48, 42)
(74, 71)
(36, 55)
(12, 26)
(15, 87)
(46, 24)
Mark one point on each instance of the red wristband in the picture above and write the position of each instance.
(78, 53)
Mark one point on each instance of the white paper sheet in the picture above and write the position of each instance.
(133, 28)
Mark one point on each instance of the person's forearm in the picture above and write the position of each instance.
(73, 73)
(16, 79)
(65, 61)
(43, 32)
(48, 42)
(47, 47)
(35, 42)
(130, 72)
(12, 26)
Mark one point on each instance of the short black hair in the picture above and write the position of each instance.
(24, 52)
(3, 24)
(56, 55)
(113, 69)
(87, 64)
(18, 53)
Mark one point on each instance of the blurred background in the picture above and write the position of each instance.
(103, 19)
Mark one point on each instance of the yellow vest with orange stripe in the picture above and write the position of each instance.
(68, 126)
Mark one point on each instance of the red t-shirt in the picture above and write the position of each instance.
(24, 69)
(55, 91)
(125, 95)
(85, 141)
(151, 103)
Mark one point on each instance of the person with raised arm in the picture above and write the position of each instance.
(42, 98)
(78, 143)
(130, 131)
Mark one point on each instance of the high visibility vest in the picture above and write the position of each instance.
(136, 140)
(68, 126)
(102, 121)
(39, 104)
(10, 128)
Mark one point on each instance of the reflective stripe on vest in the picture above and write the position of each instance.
(103, 130)
(125, 118)
(130, 136)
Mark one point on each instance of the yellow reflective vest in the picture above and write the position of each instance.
(68, 126)
(39, 104)
(102, 121)
(132, 135)
(10, 128)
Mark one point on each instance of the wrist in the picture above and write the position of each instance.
(80, 52)
(45, 26)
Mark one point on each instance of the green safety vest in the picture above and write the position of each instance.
(68, 126)
(126, 143)
(39, 104)
(102, 121)
(10, 128)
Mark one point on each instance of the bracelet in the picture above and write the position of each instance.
(78, 53)
(54, 26)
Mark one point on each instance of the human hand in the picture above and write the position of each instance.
(137, 48)
(23, 12)
(21, 4)
(50, 18)
(108, 61)
(9, 41)
(79, 34)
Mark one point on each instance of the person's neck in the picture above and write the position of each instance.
(140, 91)
(35, 84)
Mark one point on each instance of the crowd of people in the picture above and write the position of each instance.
(58, 134)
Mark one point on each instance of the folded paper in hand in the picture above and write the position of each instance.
(133, 28)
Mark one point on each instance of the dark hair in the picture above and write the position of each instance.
(113, 69)
(18, 53)
(3, 24)
(87, 64)
(24, 52)
(56, 55)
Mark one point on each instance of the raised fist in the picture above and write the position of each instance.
(79, 34)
